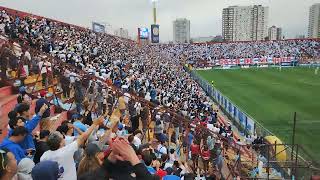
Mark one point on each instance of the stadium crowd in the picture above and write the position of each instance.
(253, 49)
(90, 145)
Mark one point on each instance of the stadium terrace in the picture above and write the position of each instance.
(77, 104)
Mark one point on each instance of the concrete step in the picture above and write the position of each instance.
(3, 127)
(5, 91)
(7, 103)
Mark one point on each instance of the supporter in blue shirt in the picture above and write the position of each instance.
(190, 137)
(153, 94)
(21, 118)
(78, 123)
(11, 143)
(170, 175)
(117, 82)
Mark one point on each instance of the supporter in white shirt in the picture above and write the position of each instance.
(63, 154)
(215, 129)
(137, 138)
(48, 66)
(2, 25)
(161, 150)
(72, 76)
(147, 97)
(42, 66)
(27, 55)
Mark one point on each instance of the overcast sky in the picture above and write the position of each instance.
(205, 15)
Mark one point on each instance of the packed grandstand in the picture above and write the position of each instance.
(96, 106)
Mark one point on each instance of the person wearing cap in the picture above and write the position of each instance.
(48, 170)
(8, 168)
(121, 130)
(78, 124)
(92, 159)
(40, 102)
(24, 169)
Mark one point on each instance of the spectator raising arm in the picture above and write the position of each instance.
(83, 137)
(106, 136)
(76, 128)
(32, 124)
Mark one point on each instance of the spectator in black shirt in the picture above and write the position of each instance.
(41, 145)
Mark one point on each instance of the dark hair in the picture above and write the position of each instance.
(130, 138)
(4, 161)
(12, 114)
(19, 131)
(137, 132)
(172, 151)
(99, 174)
(164, 157)
(44, 133)
(22, 108)
(176, 163)
(64, 122)
(147, 158)
(63, 129)
(158, 122)
(14, 122)
(20, 98)
(54, 141)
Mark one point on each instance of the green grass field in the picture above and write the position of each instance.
(271, 97)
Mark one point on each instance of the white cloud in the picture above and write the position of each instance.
(205, 15)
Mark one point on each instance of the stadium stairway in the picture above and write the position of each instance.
(7, 103)
(222, 119)
(8, 100)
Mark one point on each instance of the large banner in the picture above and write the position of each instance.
(155, 33)
(98, 28)
(257, 61)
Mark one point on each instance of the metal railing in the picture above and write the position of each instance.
(301, 162)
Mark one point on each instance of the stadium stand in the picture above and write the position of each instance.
(136, 107)
(212, 53)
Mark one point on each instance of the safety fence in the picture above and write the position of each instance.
(244, 122)
(282, 160)
(68, 103)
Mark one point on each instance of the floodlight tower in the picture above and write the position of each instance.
(154, 26)
(154, 4)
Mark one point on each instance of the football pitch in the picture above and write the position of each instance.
(271, 97)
